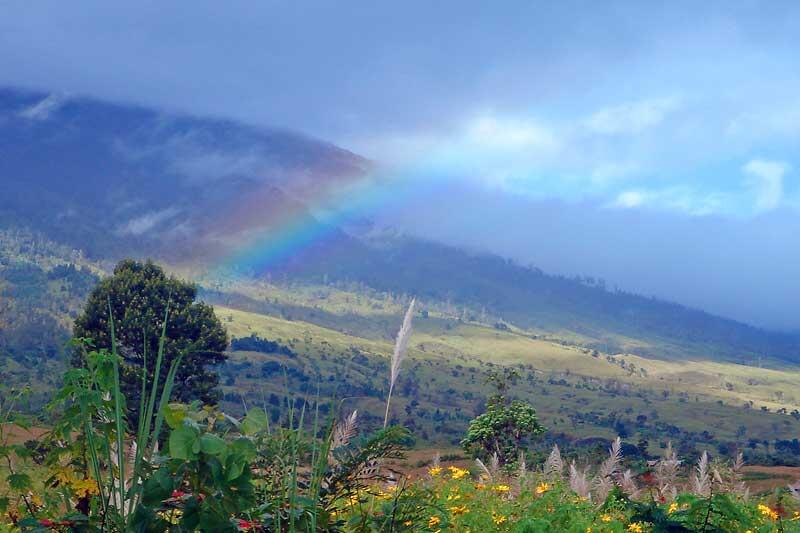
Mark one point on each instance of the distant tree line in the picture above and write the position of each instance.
(254, 343)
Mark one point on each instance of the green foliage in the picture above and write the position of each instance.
(204, 481)
(504, 429)
(138, 297)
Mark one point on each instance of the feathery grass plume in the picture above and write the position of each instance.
(343, 432)
(794, 490)
(609, 470)
(554, 465)
(628, 484)
(701, 480)
(666, 474)
(400, 350)
(494, 464)
(738, 486)
(610, 467)
(522, 472)
(437, 461)
(486, 471)
(579, 481)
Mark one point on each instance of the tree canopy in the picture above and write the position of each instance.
(504, 429)
(139, 297)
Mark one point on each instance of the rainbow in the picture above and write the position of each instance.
(267, 238)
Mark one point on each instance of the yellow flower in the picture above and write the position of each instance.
(408, 523)
(635, 527)
(434, 521)
(458, 510)
(435, 470)
(796, 516)
(457, 473)
(673, 507)
(606, 517)
(501, 488)
(480, 486)
(85, 487)
(588, 530)
(542, 488)
(452, 497)
(498, 519)
(173, 517)
(767, 512)
(64, 476)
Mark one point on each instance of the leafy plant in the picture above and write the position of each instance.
(505, 427)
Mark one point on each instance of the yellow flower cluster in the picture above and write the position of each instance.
(673, 507)
(435, 470)
(767, 512)
(459, 510)
(498, 518)
(171, 517)
(64, 476)
(501, 488)
(85, 487)
(457, 473)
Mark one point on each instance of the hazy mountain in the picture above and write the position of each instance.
(112, 179)
(117, 180)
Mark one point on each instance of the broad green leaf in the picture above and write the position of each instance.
(184, 443)
(211, 444)
(174, 414)
(255, 421)
(19, 482)
(244, 448)
(234, 469)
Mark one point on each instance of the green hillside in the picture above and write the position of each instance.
(696, 404)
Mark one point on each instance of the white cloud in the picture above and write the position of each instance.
(781, 120)
(631, 117)
(42, 109)
(630, 199)
(143, 224)
(765, 179)
(510, 134)
(678, 199)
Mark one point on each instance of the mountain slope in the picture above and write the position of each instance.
(117, 180)
(114, 179)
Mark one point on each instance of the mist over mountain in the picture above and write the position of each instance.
(117, 180)
(113, 179)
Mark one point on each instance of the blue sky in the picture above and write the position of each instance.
(671, 123)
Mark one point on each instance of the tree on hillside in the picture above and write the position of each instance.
(138, 296)
(506, 426)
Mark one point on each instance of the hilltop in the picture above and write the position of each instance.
(90, 182)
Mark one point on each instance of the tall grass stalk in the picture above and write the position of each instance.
(400, 350)
(121, 491)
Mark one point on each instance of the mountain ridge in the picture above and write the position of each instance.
(116, 180)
